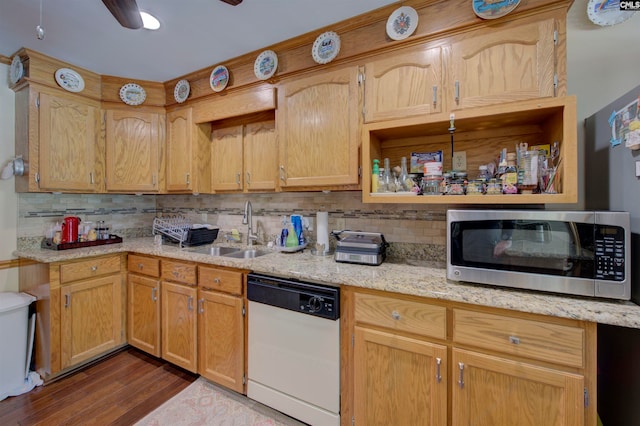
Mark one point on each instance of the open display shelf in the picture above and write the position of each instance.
(481, 133)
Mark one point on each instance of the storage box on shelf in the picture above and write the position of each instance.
(481, 133)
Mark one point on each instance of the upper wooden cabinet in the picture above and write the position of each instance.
(187, 147)
(58, 135)
(133, 140)
(404, 84)
(491, 66)
(244, 157)
(318, 125)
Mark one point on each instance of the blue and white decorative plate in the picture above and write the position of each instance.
(493, 9)
(181, 91)
(69, 80)
(219, 78)
(326, 47)
(132, 94)
(402, 23)
(266, 65)
(17, 70)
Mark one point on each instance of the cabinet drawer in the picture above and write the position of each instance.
(403, 315)
(554, 343)
(89, 268)
(179, 272)
(220, 280)
(143, 265)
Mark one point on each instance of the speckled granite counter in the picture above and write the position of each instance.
(397, 278)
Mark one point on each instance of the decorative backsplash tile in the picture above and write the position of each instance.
(413, 231)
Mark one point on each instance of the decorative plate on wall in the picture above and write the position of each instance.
(326, 47)
(69, 80)
(17, 70)
(181, 91)
(493, 9)
(265, 65)
(402, 23)
(607, 12)
(132, 94)
(219, 78)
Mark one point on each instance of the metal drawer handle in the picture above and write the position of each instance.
(515, 340)
(94, 268)
(201, 306)
(140, 266)
(190, 303)
(248, 179)
(438, 375)
(67, 300)
(461, 380)
(175, 273)
(457, 92)
(217, 280)
(435, 96)
(154, 294)
(395, 315)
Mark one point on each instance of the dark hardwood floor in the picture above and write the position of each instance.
(118, 390)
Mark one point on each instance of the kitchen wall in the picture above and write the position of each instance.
(8, 197)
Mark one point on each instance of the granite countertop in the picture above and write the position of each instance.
(413, 279)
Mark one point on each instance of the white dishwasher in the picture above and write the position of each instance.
(294, 348)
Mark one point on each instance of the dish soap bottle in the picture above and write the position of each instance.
(374, 176)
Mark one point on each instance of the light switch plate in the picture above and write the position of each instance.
(459, 162)
(637, 168)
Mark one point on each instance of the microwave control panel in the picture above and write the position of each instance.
(609, 253)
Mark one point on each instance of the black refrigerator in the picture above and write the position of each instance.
(612, 159)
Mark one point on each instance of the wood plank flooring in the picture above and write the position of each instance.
(119, 390)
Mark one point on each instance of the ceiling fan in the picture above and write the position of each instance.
(127, 13)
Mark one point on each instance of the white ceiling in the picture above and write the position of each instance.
(200, 33)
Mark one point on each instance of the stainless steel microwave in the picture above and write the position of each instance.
(584, 253)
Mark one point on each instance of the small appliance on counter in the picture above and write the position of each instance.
(365, 248)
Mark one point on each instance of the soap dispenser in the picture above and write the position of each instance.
(375, 174)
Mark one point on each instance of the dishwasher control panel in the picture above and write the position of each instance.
(309, 298)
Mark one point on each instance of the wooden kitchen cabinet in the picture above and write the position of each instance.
(491, 66)
(501, 367)
(403, 84)
(178, 316)
(244, 157)
(58, 135)
(143, 320)
(133, 146)
(221, 327)
(188, 166)
(80, 308)
(319, 130)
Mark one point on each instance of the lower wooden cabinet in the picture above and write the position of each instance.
(179, 325)
(143, 324)
(90, 319)
(221, 339)
(411, 360)
(398, 380)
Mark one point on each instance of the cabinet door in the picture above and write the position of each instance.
(179, 327)
(403, 85)
(132, 151)
(495, 391)
(68, 135)
(144, 314)
(180, 145)
(398, 380)
(319, 130)
(90, 319)
(226, 159)
(503, 66)
(221, 339)
(260, 156)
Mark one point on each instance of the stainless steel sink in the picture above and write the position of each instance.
(247, 254)
(215, 251)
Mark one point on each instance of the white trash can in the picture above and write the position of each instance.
(14, 320)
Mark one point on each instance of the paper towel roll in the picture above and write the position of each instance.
(322, 229)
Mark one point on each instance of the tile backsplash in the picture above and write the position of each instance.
(413, 231)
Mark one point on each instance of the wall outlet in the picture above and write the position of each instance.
(203, 217)
(459, 162)
(637, 168)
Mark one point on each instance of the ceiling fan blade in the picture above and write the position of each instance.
(232, 2)
(126, 12)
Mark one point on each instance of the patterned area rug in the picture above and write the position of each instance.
(203, 403)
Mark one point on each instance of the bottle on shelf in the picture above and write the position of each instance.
(388, 180)
(375, 174)
(510, 175)
(405, 182)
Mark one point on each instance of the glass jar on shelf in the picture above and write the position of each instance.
(431, 185)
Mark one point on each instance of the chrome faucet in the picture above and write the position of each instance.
(247, 219)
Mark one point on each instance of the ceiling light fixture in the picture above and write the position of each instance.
(149, 21)
(39, 27)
